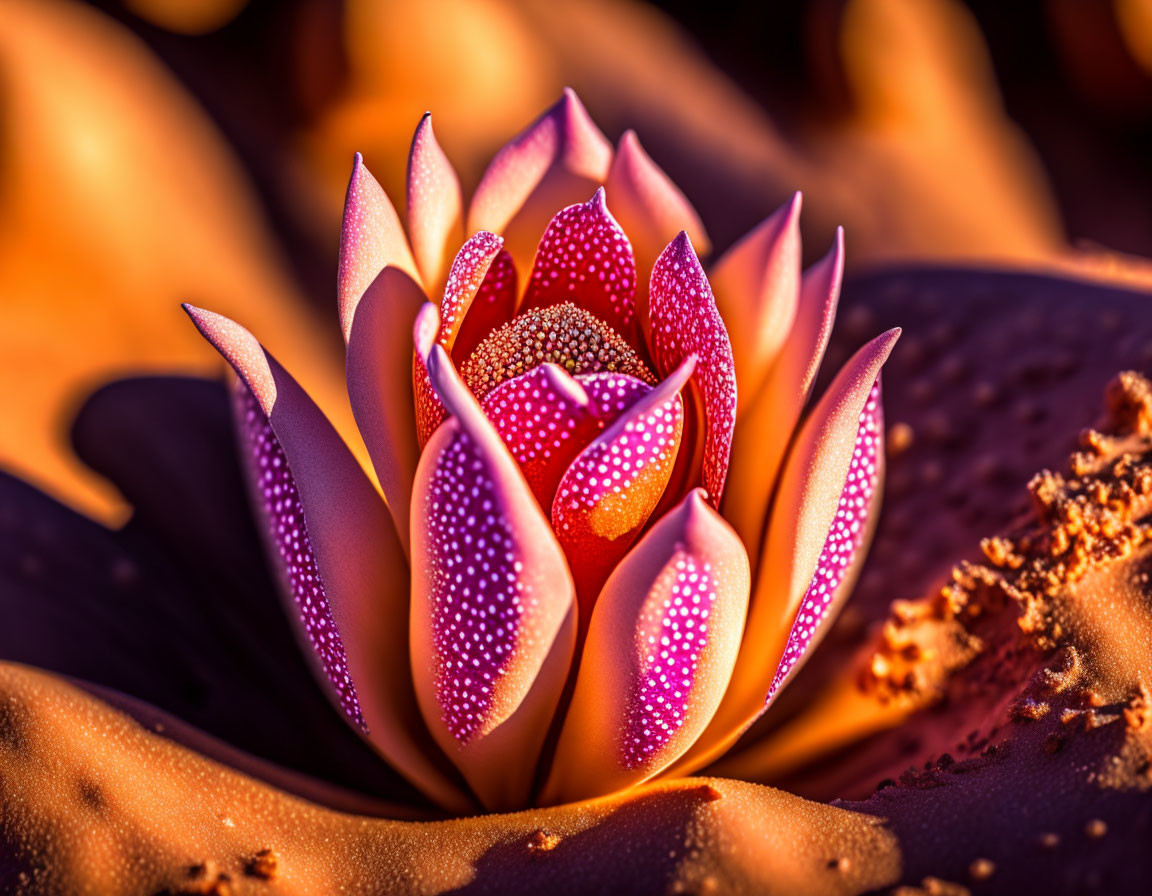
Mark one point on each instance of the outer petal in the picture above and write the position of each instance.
(650, 208)
(660, 650)
(558, 160)
(763, 432)
(834, 467)
(493, 606)
(609, 492)
(584, 257)
(331, 538)
(380, 385)
(371, 238)
(435, 204)
(757, 285)
(685, 321)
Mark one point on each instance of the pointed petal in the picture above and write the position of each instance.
(584, 257)
(854, 514)
(649, 206)
(493, 605)
(558, 160)
(685, 321)
(764, 431)
(835, 456)
(493, 306)
(546, 418)
(757, 285)
(469, 271)
(610, 490)
(659, 654)
(380, 386)
(332, 540)
(435, 204)
(371, 238)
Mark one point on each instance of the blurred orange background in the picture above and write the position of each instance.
(160, 151)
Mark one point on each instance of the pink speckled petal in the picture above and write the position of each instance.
(380, 385)
(685, 321)
(558, 160)
(608, 493)
(429, 410)
(435, 205)
(850, 526)
(494, 305)
(650, 208)
(465, 279)
(764, 430)
(660, 650)
(836, 439)
(332, 540)
(493, 620)
(546, 418)
(584, 257)
(757, 286)
(371, 238)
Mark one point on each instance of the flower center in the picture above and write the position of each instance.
(564, 334)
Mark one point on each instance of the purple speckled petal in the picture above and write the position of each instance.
(842, 545)
(661, 645)
(331, 537)
(285, 518)
(685, 321)
(811, 549)
(584, 257)
(673, 631)
(493, 621)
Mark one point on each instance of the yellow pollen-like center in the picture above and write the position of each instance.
(565, 335)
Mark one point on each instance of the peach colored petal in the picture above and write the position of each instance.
(660, 650)
(813, 485)
(493, 620)
(371, 238)
(651, 209)
(584, 257)
(337, 549)
(609, 491)
(685, 321)
(380, 388)
(558, 160)
(757, 285)
(435, 206)
(764, 431)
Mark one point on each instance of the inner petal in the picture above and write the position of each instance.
(565, 335)
(546, 418)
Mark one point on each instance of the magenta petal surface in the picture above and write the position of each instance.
(546, 418)
(675, 631)
(685, 321)
(285, 517)
(844, 539)
(610, 490)
(585, 257)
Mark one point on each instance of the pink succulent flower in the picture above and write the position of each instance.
(602, 539)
